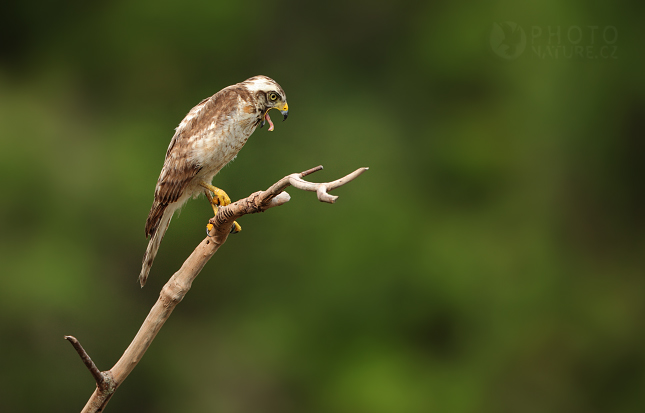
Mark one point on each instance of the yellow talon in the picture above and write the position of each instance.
(217, 198)
(236, 228)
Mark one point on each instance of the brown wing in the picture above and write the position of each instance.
(178, 171)
(176, 174)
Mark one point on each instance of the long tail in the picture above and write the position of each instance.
(156, 226)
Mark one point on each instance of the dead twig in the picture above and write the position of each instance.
(94, 371)
(176, 288)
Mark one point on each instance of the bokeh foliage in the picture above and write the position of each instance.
(491, 260)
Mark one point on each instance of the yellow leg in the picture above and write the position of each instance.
(218, 197)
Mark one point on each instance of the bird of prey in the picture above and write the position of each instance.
(209, 137)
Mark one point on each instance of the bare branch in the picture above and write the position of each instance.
(310, 171)
(322, 189)
(275, 196)
(96, 373)
(176, 288)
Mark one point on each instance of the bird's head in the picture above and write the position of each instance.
(268, 95)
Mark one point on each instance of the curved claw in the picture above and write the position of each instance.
(235, 228)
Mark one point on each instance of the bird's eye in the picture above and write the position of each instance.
(273, 97)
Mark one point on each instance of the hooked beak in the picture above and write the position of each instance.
(285, 112)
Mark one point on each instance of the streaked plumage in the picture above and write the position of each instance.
(208, 138)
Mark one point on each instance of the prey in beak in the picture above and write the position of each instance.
(285, 113)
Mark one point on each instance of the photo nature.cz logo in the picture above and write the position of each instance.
(508, 41)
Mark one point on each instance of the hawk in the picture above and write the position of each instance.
(209, 137)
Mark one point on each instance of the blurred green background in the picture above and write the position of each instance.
(491, 259)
